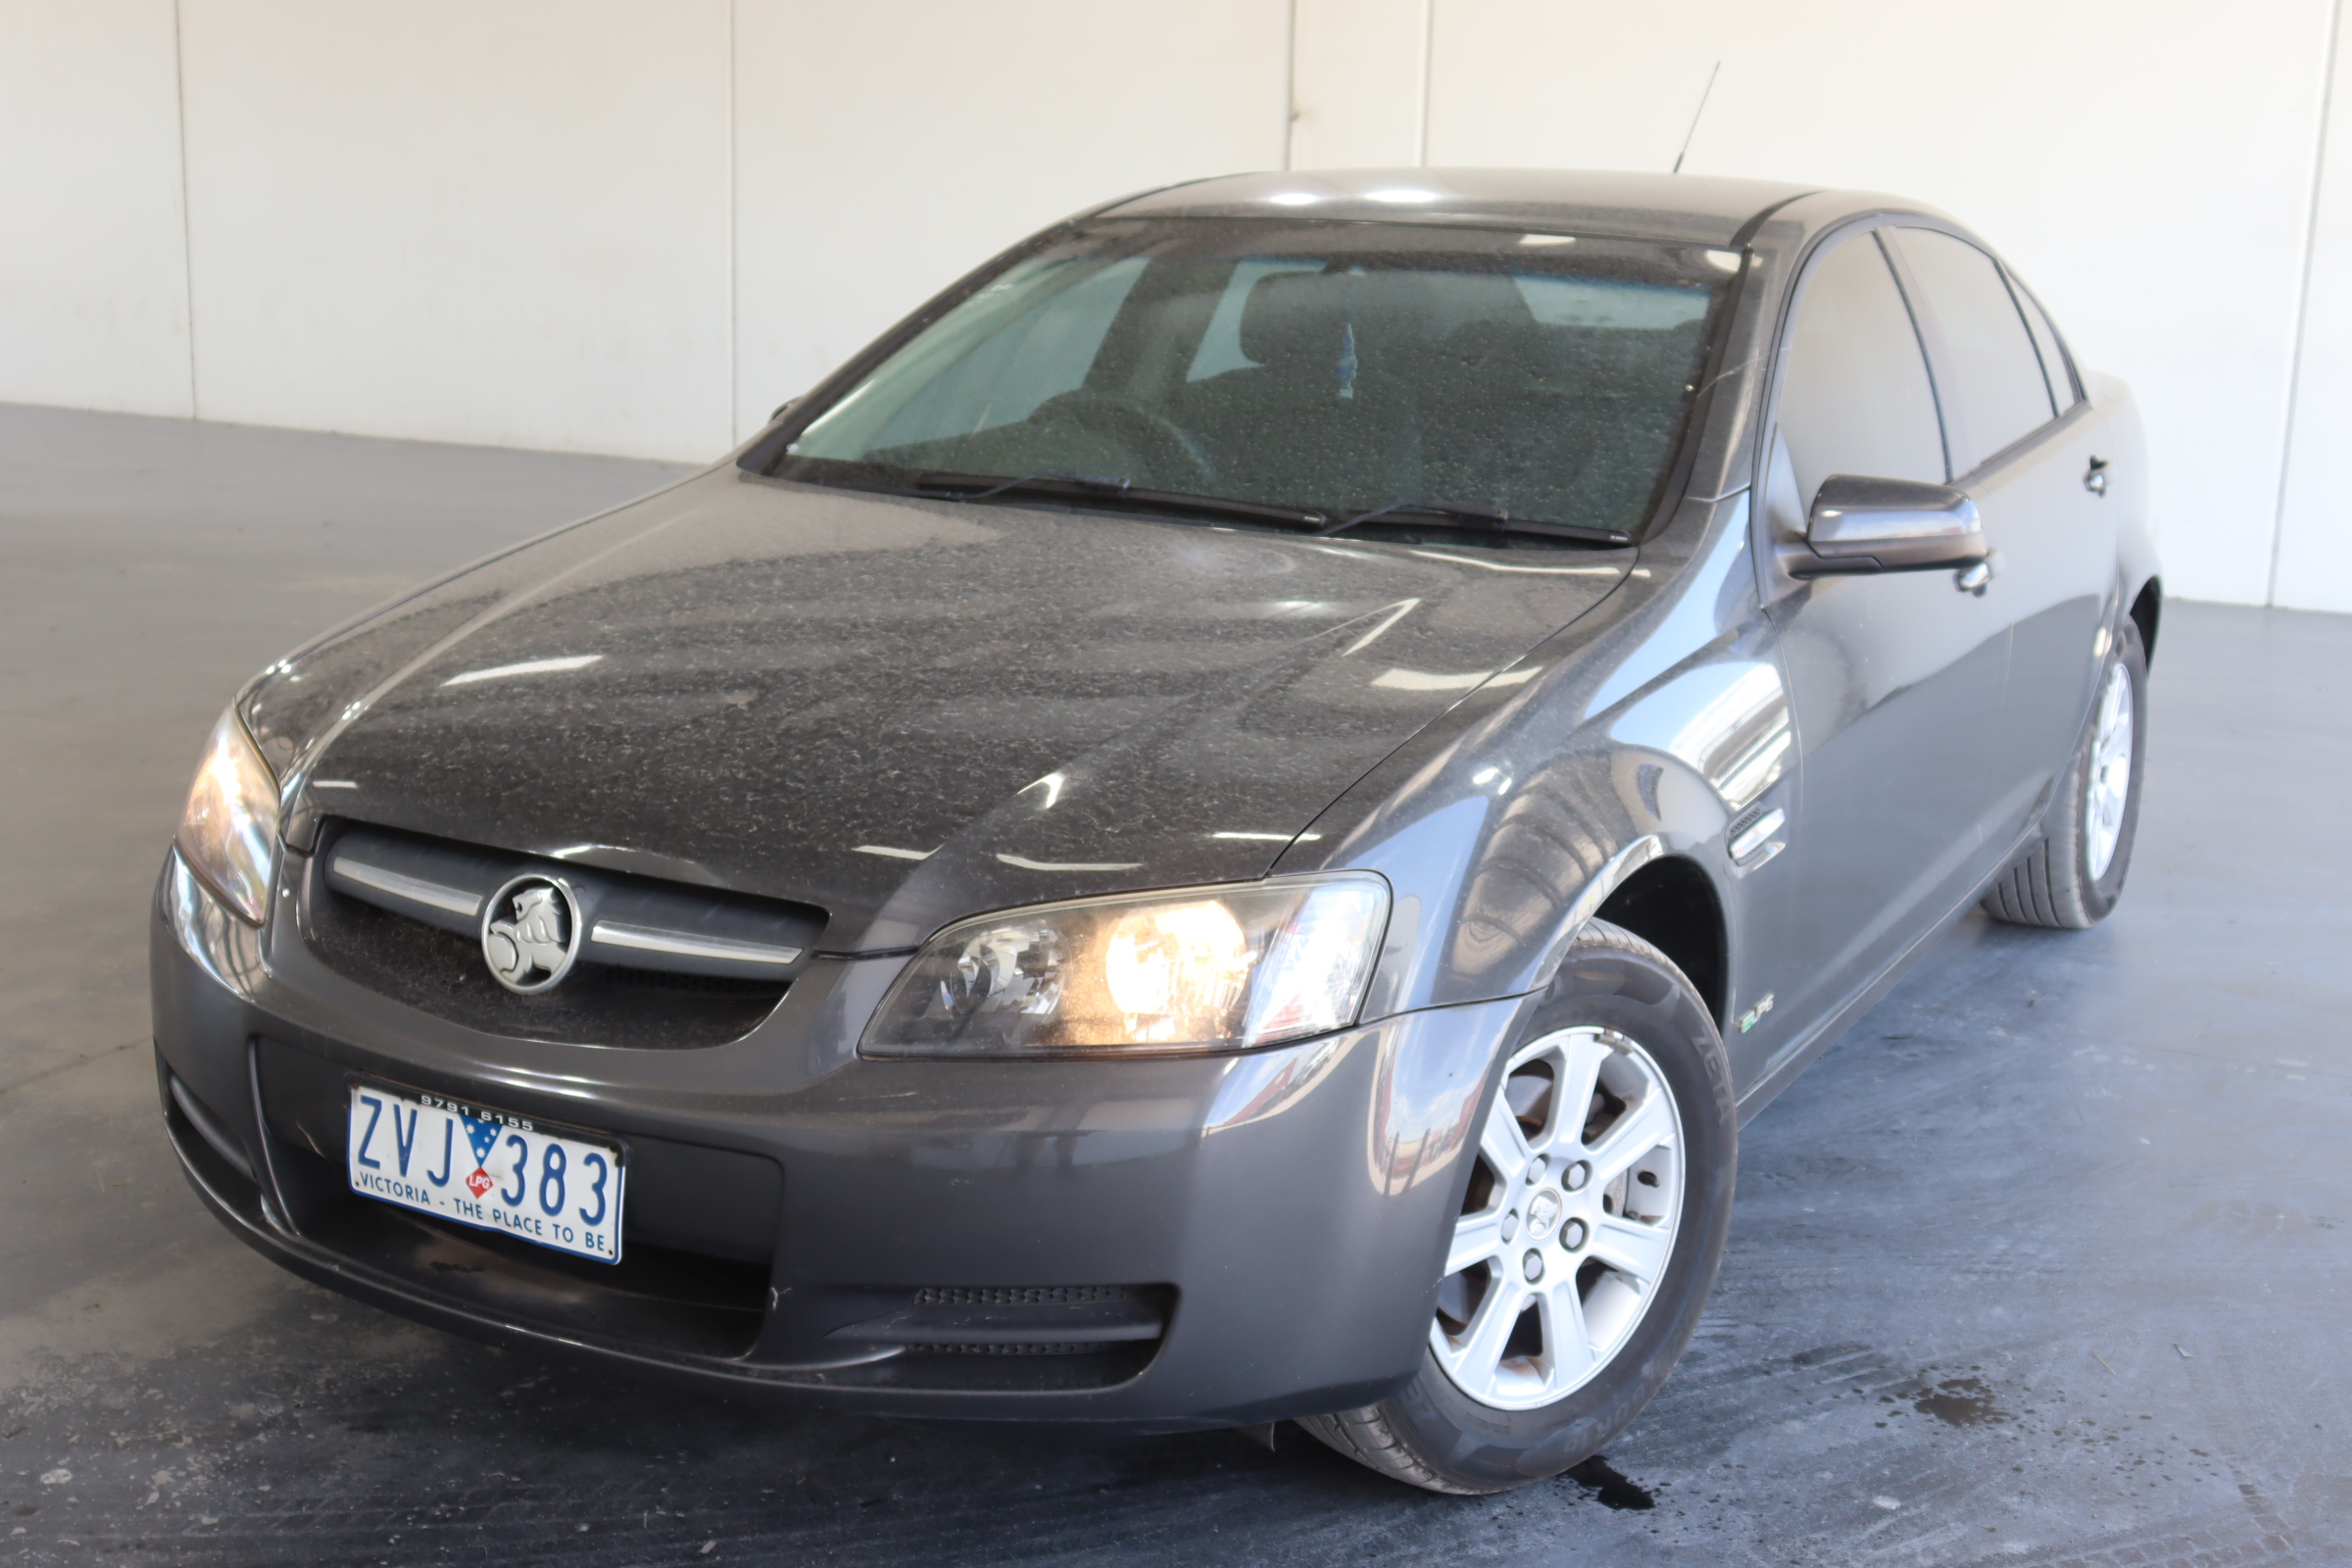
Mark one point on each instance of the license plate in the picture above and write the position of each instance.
(488, 1168)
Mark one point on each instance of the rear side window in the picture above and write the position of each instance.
(1990, 359)
(1854, 394)
(2055, 368)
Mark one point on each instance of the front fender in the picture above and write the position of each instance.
(1657, 726)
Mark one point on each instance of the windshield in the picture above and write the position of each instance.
(1444, 377)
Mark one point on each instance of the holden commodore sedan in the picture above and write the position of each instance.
(1222, 827)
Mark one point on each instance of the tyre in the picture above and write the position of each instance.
(2074, 875)
(1589, 1234)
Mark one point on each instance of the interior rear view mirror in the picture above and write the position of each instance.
(1860, 525)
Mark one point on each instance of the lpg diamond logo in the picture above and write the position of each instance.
(530, 934)
(483, 1137)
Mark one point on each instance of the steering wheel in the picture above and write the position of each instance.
(1166, 447)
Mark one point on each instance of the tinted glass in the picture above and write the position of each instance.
(1340, 367)
(1996, 374)
(1855, 396)
(2054, 366)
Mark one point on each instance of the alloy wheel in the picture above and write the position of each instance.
(1569, 1223)
(2109, 784)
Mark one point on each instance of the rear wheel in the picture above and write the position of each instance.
(2075, 874)
(1589, 1231)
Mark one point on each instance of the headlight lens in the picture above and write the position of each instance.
(1208, 970)
(229, 835)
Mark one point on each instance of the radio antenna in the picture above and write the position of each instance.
(1704, 94)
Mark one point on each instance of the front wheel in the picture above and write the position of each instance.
(2072, 877)
(1588, 1236)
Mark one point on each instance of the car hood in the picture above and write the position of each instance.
(901, 711)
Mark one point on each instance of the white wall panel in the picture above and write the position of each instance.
(2146, 168)
(1360, 82)
(883, 150)
(2315, 524)
(93, 293)
(502, 224)
(545, 224)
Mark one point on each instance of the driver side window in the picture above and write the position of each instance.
(1855, 396)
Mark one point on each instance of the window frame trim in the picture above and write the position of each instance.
(1940, 353)
(1857, 226)
(2028, 300)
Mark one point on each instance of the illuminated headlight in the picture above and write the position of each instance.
(228, 836)
(1222, 968)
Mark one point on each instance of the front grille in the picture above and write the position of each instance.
(432, 959)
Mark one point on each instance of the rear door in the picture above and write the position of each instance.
(2029, 451)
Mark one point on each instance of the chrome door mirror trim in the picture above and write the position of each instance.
(1860, 525)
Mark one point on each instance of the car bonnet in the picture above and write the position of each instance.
(900, 709)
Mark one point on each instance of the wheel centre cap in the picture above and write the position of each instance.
(1542, 1213)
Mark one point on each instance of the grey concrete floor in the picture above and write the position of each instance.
(2044, 1264)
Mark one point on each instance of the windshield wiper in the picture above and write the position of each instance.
(1100, 487)
(1050, 480)
(1117, 489)
(1479, 519)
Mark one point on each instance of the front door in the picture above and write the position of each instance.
(1895, 679)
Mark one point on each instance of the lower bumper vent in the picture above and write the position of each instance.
(1020, 1294)
(1019, 1320)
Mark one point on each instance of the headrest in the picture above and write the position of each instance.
(1496, 351)
(1296, 320)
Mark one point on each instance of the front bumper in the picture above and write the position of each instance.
(1228, 1240)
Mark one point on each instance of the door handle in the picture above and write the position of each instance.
(2094, 477)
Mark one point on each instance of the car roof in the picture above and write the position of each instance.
(1698, 208)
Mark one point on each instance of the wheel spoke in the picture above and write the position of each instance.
(1631, 1248)
(1476, 1238)
(1490, 1329)
(1581, 1059)
(1502, 1143)
(1567, 1341)
(1643, 1127)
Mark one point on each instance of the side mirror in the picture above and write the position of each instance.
(1860, 525)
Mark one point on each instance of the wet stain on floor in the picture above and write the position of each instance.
(1962, 1402)
(1608, 1488)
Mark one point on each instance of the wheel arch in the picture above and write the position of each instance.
(2145, 612)
(1672, 904)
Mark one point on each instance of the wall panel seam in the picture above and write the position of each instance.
(734, 260)
(187, 241)
(1289, 90)
(2311, 243)
(1429, 44)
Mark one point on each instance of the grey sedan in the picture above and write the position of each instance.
(1223, 827)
